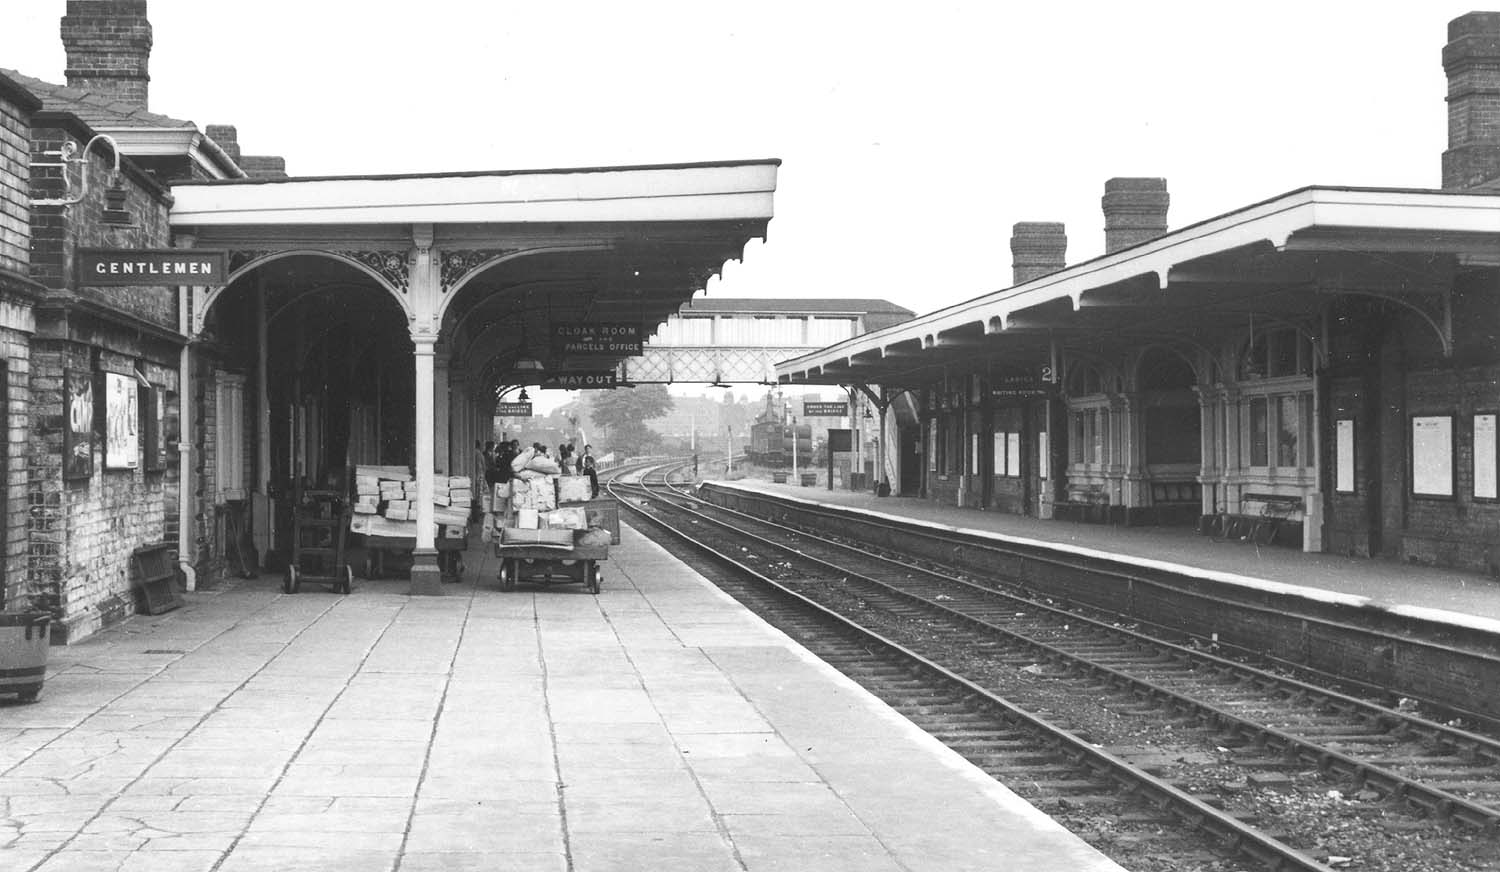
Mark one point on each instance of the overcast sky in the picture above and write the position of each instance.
(912, 135)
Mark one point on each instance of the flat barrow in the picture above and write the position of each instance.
(548, 557)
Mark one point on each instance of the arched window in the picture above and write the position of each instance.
(1084, 380)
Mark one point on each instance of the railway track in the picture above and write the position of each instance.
(1085, 717)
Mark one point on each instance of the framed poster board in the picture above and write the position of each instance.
(1043, 461)
(122, 422)
(1486, 457)
(1343, 455)
(1432, 455)
(78, 425)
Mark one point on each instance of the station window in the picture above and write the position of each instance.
(1280, 431)
(1089, 439)
(829, 331)
(1006, 425)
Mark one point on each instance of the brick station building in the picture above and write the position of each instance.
(359, 319)
(1324, 364)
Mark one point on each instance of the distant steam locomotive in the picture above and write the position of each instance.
(771, 443)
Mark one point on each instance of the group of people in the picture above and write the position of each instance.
(496, 460)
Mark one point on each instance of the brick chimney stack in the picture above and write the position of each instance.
(108, 43)
(1472, 61)
(263, 166)
(227, 137)
(1037, 248)
(1135, 210)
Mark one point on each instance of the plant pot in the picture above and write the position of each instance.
(24, 639)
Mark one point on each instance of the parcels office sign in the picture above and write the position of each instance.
(102, 267)
(582, 339)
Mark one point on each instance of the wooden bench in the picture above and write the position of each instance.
(155, 578)
(1262, 525)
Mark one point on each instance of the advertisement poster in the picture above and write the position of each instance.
(78, 434)
(1343, 460)
(1486, 483)
(1432, 456)
(122, 422)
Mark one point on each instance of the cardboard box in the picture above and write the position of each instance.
(574, 489)
(527, 519)
(562, 539)
(567, 518)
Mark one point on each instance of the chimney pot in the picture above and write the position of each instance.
(1135, 211)
(1037, 248)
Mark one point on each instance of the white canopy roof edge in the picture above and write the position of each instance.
(1464, 223)
(683, 192)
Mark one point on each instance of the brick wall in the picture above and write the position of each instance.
(82, 531)
(58, 232)
(15, 232)
(1388, 366)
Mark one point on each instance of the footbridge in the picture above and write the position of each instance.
(735, 341)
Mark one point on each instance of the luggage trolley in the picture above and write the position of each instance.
(560, 556)
(320, 522)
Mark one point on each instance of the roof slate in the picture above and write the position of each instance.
(91, 108)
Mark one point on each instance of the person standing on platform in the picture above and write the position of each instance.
(587, 467)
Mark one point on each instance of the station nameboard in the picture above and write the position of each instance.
(114, 267)
(602, 379)
(514, 410)
(824, 410)
(582, 339)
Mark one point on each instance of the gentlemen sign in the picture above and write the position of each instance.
(514, 410)
(598, 339)
(604, 379)
(824, 410)
(98, 267)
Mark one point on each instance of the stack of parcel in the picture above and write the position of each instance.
(385, 503)
(545, 527)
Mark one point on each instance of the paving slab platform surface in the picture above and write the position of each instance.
(1430, 593)
(658, 726)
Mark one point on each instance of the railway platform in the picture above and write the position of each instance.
(1440, 595)
(656, 726)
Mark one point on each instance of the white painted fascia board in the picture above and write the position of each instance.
(173, 142)
(729, 192)
(1273, 221)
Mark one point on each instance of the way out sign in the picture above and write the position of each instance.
(579, 339)
(604, 379)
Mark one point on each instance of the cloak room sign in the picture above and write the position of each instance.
(609, 340)
(514, 410)
(603, 379)
(108, 267)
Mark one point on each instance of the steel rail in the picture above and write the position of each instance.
(1224, 828)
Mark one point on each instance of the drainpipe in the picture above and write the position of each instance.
(185, 444)
(185, 431)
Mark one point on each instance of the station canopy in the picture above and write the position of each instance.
(493, 261)
(1278, 261)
